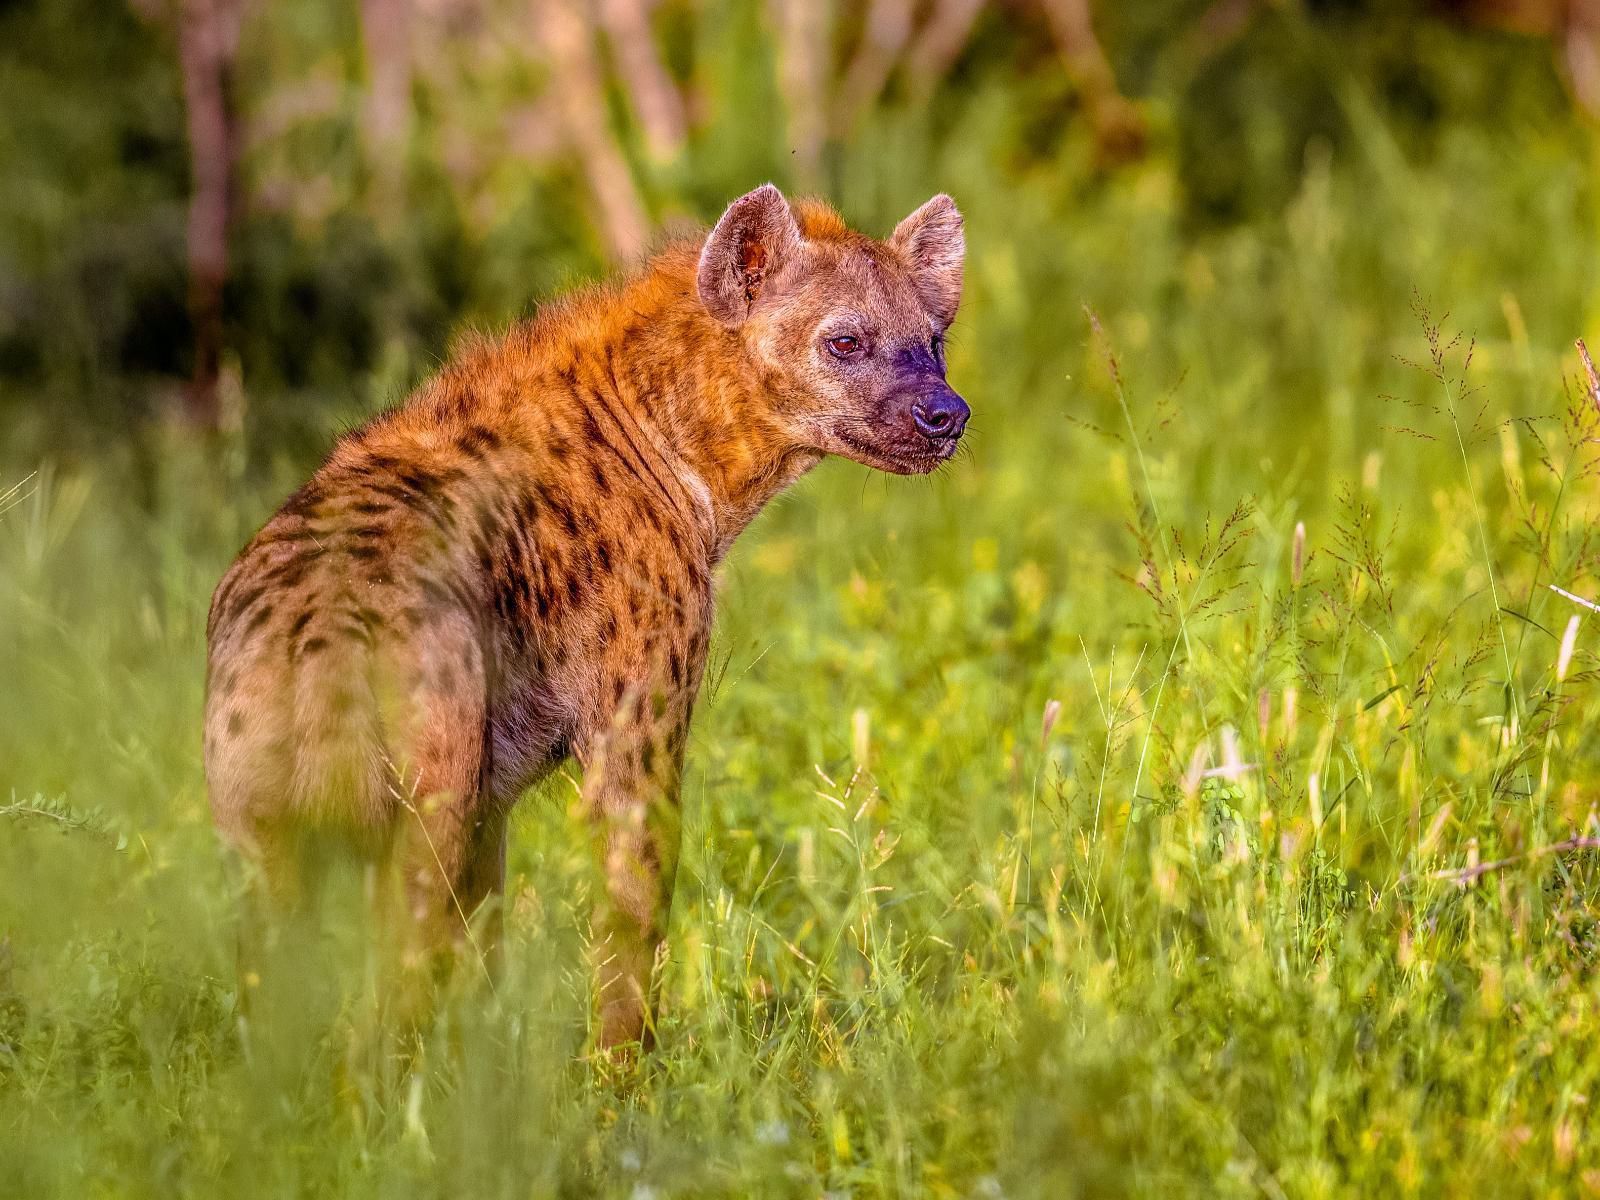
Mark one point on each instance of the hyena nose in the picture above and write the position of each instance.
(941, 414)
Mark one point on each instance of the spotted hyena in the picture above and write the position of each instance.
(516, 564)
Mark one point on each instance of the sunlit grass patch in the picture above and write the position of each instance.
(1191, 792)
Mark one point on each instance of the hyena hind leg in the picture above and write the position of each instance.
(450, 866)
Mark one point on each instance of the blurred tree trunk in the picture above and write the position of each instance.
(802, 45)
(1573, 24)
(940, 42)
(1119, 129)
(655, 98)
(564, 29)
(208, 42)
(883, 40)
(1583, 53)
(386, 114)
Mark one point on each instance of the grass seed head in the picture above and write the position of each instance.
(1569, 642)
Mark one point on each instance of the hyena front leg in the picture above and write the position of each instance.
(632, 769)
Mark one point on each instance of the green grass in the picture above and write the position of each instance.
(1198, 937)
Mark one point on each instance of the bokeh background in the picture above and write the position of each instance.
(267, 216)
(1188, 791)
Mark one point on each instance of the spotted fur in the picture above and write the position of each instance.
(516, 565)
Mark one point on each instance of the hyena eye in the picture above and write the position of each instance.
(844, 346)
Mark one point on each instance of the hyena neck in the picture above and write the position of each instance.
(706, 403)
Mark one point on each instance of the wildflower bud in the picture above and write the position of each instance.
(1052, 710)
(1298, 561)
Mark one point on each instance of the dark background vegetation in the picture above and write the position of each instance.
(384, 190)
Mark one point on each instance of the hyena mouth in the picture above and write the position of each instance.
(907, 460)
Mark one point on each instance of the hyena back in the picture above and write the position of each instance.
(517, 564)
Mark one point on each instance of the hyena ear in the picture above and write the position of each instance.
(931, 242)
(751, 243)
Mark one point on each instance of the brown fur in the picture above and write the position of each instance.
(517, 564)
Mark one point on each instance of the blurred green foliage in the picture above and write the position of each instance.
(330, 283)
(1214, 933)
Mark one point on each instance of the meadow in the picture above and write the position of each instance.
(1189, 790)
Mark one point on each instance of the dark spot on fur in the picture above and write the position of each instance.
(313, 644)
(525, 512)
(300, 623)
(304, 500)
(507, 599)
(600, 480)
(290, 574)
(235, 723)
(263, 615)
(418, 479)
(244, 601)
(396, 491)
(364, 553)
(362, 625)
(479, 440)
(568, 521)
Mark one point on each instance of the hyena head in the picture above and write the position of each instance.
(848, 331)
